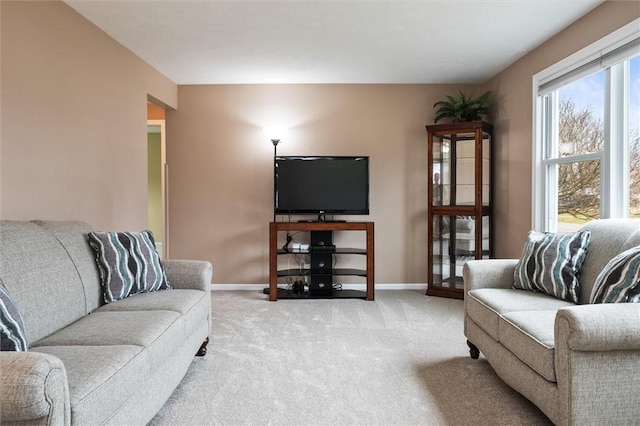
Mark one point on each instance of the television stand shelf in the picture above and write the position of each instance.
(321, 229)
(337, 294)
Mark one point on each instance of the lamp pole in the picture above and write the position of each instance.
(275, 134)
(275, 154)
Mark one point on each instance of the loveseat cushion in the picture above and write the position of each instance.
(529, 335)
(551, 263)
(485, 305)
(609, 237)
(619, 280)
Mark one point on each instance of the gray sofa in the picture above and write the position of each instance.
(580, 364)
(88, 362)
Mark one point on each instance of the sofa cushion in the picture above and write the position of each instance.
(485, 305)
(139, 328)
(529, 336)
(12, 332)
(619, 281)
(192, 304)
(101, 378)
(128, 263)
(551, 263)
(179, 301)
(36, 269)
(72, 235)
(157, 331)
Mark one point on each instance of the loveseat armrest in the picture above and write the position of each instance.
(488, 273)
(597, 359)
(189, 274)
(33, 389)
(599, 327)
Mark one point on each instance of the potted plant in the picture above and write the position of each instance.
(463, 108)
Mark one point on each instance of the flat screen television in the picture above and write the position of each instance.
(321, 185)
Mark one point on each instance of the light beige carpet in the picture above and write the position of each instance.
(400, 360)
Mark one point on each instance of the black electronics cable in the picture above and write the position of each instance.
(285, 247)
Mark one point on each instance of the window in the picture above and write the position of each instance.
(587, 135)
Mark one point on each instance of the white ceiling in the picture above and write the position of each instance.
(325, 41)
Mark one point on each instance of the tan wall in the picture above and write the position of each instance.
(221, 168)
(513, 124)
(74, 119)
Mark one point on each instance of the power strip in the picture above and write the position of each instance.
(299, 248)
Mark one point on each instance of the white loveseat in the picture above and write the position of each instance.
(579, 363)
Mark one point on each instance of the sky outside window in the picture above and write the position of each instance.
(588, 92)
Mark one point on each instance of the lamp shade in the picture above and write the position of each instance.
(275, 132)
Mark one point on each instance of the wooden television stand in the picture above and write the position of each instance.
(367, 227)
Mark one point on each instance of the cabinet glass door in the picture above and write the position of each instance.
(454, 167)
(454, 242)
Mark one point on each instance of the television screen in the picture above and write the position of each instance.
(319, 185)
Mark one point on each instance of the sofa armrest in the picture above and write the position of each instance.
(488, 273)
(33, 386)
(597, 357)
(189, 274)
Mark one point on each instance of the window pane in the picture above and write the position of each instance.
(634, 176)
(634, 137)
(578, 194)
(581, 110)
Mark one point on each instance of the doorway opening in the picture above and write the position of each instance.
(157, 178)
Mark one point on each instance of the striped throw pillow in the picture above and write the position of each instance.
(12, 331)
(619, 280)
(128, 263)
(551, 263)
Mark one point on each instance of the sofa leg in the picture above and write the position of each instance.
(203, 349)
(473, 350)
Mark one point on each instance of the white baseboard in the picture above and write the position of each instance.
(259, 287)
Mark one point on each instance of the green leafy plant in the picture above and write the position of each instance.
(463, 108)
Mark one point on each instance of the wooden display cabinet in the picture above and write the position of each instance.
(459, 202)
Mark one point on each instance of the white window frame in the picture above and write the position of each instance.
(614, 202)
